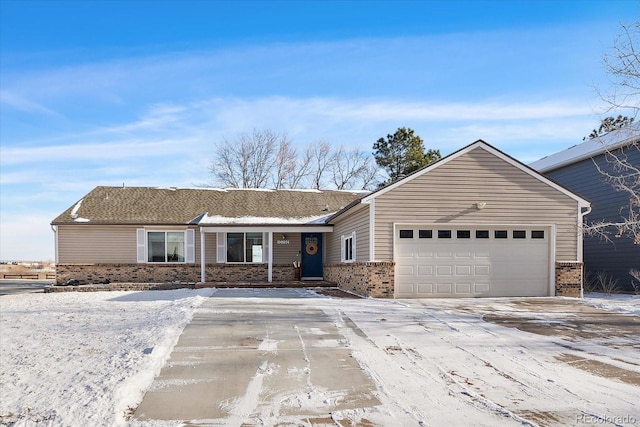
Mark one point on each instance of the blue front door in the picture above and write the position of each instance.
(311, 259)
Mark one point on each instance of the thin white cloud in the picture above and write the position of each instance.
(13, 100)
(126, 149)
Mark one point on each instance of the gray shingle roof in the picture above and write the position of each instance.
(148, 205)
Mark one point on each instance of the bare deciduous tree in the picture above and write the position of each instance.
(285, 164)
(264, 158)
(623, 69)
(622, 65)
(624, 176)
(247, 161)
(351, 169)
(370, 175)
(320, 162)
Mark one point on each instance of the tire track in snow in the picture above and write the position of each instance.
(415, 398)
(477, 400)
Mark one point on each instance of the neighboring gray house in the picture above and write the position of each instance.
(476, 223)
(575, 168)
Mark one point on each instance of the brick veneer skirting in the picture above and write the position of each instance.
(159, 273)
(374, 279)
(569, 279)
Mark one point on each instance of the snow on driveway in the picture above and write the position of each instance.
(87, 359)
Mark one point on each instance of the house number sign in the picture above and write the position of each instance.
(282, 242)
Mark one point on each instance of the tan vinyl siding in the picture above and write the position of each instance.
(357, 219)
(286, 254)
(448, 193)
(210, 242)
(79, 244)
(108, 244)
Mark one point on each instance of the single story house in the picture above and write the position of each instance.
(476, 223)
(577, 169)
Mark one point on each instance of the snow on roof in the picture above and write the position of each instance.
(218, 219)
(588, 149)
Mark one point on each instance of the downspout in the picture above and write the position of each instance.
(54, 228)
(581, 215)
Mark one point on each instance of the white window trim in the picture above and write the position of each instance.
(142, 243)
(343, 254)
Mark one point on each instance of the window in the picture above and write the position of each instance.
(165, 246)
(519, 234)
(425, 234)
(500, 234)
(444, 234)
(463, 234)
(482, 234)
(348, 250)
(406, 234)
(537, 234)
(244, 247)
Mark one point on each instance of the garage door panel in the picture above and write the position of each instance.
(481, 270)
(444, 255)
(473, 266)
(463, 270)
(425, 288)
(444, 270)
(406, 270)
(463, 288)
(444, 288)
(406, 288)
(424, 253)
(425, 270)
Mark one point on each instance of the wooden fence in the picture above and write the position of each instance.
(30, 276)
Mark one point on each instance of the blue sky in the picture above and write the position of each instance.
(138, 92)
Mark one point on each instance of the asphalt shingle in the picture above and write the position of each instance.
(149, 205)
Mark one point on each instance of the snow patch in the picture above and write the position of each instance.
(74, 211)
(218, 219)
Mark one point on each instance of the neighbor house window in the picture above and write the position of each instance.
(348, 251)
(244, 247)
(165, 246)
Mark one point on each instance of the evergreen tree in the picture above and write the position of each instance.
(402, 153)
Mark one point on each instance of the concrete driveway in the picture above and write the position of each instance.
(237, 359)
(290, 357)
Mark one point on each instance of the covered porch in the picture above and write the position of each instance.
(261, 253)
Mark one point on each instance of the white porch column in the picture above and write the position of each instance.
(202, 257)
(270, 256)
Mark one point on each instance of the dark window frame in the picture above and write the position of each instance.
(425, 234)
(444, 234)
(519, 234)
(408, 234)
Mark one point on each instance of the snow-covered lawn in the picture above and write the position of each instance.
(74, 359)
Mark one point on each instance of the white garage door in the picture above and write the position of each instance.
(441, 261)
